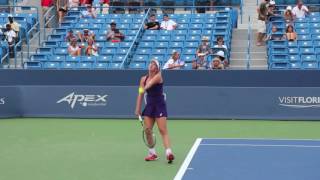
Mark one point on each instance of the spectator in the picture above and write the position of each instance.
(110, 33)
(216, 64)
(271, 9)
(262, 17)
(168, 24)
(92, 49)
(300, 10)
(274, 35)
(45, 4)
(290, 34)
(10, 37)
(118, 36)
(74, 49)
(70, 36)
(174, 62)
(89, 12)
(220, 43)
(153, 24)
(288, 15)
(86, 36)
(105, 6)
(14, 25)
(204, 48)
(221, 57)
(86, 2)
(200, 63)
(64, 5)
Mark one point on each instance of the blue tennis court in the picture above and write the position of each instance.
(252, 159)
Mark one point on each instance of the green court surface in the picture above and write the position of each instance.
(90, 149)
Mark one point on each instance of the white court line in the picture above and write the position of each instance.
(271, 139)
(188, 159)
(263, 145)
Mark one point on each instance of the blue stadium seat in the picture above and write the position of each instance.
(191, 44)
(101, 65)
(146, 44)
(137, 65)
(310, 65)
(163, 38)
(189, 51)
(294, 58)
(161, 44)
(305, 43)
(85, 65)
(51, 65)
(176, 45)
(178, 38)
(73, 59)
(68, 65)
(88, 59)
(122, 51)
(293, 50)
(140, 57)
(39, 57)
(60, 51)
(295, 65)
(307, 50)
(279, 58)
(108, 51)
(159, 51)
(115, 65)
(188, 58)
(146, 50)
(310, 57)
(159, 57)
(105, 58)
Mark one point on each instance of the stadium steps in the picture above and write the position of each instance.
(239, 45)
(249, 9)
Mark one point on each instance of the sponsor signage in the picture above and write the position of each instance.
(84, 100)
(300, 101)
(2, 101)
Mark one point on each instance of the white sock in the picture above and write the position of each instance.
(152, 151)
(168, 151)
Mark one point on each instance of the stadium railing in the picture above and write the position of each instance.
(28, 18)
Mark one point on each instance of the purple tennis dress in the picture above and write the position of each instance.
(156, 104)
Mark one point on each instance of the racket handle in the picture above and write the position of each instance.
(140, 118)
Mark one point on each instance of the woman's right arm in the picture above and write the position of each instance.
(140, 96)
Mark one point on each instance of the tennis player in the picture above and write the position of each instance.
(155, 110)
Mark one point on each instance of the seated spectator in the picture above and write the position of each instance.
(70, 36)
(152, 24)
(290, 34)
(14, 25)
(117, 36)
(89, 12)
(74, 49)
(204, 48)
(10, 37)
(274, 35)
(220, 43)
(272, 10)
(86, 35)
(105, 6)
(288, 15)
(86, 2)
(216, 64)
(300, 10)
(168, 24)
(174, 62)
(200, 63)
(64, 5)
(92, 49)
(221, 56)
(110, 33)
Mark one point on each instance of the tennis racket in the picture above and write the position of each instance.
(148, 137)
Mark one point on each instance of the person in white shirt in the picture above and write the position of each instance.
(300, 10)
(89, 13)
(10, 36)
(168, 24)
(174, 62)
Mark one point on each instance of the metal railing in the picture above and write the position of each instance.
(29, 33)
(135, 41)
(249, 43)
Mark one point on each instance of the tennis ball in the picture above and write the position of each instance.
(141, 90)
